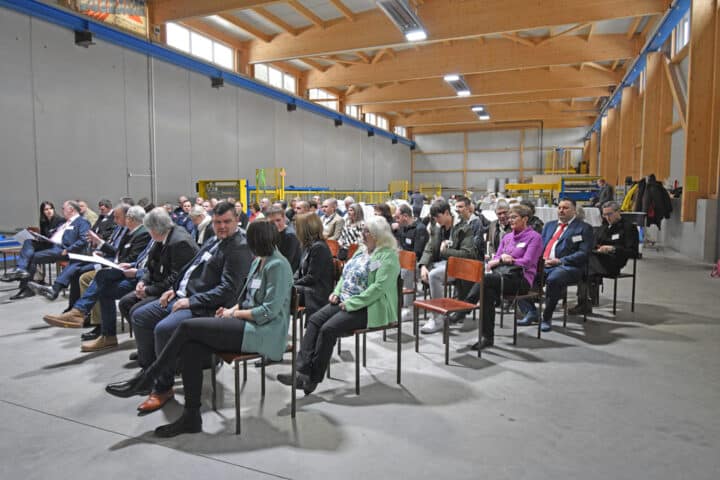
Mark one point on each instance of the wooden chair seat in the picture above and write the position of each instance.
(444, 306)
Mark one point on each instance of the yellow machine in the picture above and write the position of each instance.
(222, 189)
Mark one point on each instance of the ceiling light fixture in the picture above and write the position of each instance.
(478, 108)
(484, 116)
(457, 82)
(404, 18)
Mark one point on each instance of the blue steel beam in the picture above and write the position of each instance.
(653, 44)
(72, 21)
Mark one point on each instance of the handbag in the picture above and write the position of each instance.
(509, 271)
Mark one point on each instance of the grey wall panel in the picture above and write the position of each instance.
(80, 124)
(677, 156)
(367, 154)
(172, 131)
(213, 130)
(137, 124)
(567, 137)
(343, 150)
(451, 161)
(17, 181)
(440, 143)
(288, 144)
(396, 161)
(315, 169)
(493, 139)
(255, 134)
(447, 180)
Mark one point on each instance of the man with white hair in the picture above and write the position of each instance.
(203, 225)
(348, 201)
(499, 227)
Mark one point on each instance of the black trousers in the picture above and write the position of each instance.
(130, 302)
(493, 289)
(323, 329)
(194, 342)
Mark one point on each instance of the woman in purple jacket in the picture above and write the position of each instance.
(521, 248)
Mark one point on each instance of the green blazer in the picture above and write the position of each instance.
(267, 333)
(381, 296)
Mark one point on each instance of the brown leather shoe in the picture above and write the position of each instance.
(101, 343)
(155, 401)
(71, 319)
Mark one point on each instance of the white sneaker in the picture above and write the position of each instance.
(432, 326)
(407, 314)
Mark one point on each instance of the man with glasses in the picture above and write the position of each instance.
(499, 227)
(615, 243)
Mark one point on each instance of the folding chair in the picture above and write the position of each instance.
(459, 269)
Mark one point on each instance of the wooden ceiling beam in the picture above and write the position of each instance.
(347, 13)
(570, 30)
(514, 37)
(449, 20)
(246, 27)
(487, 100)
(307, 13)
(511, 125)
(634, 26)
(171, 10)
(363, 56)
(275, 20)
(496, 83)
(526, 111)
(470, 57)
(314, 65)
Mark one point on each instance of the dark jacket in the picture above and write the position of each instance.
(111, 247)
(132, 245)
(166, 259)
(316, 276)
(622, 235)
(461, 244)
(217, 280)
(104, 226)
(655, 202)
(290, 248)
(48, 227)
(413, 238)
(573, 248)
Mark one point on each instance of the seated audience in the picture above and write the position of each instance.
(50, 220)
(212, 279)
(535, 222)
(86, 212)
(615, 243)
(70, 237)
(352, 231)
(257, 323)
(105, 224)
(514, 267)
(202, 222)
(332, 222)
(383, 210)
(412, 234)
(242, 216)
(499, 227)
(289, 245)
(316, 274)
(365, 297)
(255, 213)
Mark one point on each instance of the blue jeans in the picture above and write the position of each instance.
(556, 280)
(33, 254)
(154, 325)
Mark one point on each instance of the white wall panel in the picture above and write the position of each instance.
(450, 161)
(288, 141)
(567, 137)
(493, 139)
(137, 124)
(440, 142)
(493, 160)
(17, 181)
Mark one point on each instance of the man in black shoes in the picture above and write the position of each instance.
(616, 242)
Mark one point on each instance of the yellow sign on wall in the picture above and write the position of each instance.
(692, 184)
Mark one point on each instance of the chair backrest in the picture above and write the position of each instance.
(294, 301)
(334, 246)
(401, 297)
(465, 269)
(540, 274)
(352, 249)
(407, 260)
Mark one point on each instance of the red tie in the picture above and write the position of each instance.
(554, 240)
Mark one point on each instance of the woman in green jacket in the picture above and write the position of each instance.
(258, 324)
(365, 297)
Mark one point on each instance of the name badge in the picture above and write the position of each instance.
(97, 266)
(408, 241)
(162, 268)
(70, 228)
(521, 245)
(374, 265)
(615, 236)
(577, 238)
(255, 283)
(127, 245)
(449, 243)
(206, 256)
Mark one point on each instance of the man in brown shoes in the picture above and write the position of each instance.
(73, 318)
(103, 342)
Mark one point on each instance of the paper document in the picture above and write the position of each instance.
(26, 234)
(94, 259)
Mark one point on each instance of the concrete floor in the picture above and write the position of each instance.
(634, 396)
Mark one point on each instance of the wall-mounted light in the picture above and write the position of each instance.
(216, 82)
(338, 122)
(394, 140)
(457, 82)
(404, 18)
(83, 38)
(291, 107)
(371, 133)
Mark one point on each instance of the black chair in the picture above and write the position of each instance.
(244, 357)
(535, 293)
(615, 278)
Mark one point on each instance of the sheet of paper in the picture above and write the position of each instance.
(94, 259)
(23, 235)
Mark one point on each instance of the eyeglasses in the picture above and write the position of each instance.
(513, 217)
(609, 214)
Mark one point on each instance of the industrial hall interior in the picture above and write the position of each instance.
(360, 238)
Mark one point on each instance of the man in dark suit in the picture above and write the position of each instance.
(134, 243)
(69, 237)
(211, 280)
(289, 243)
(567, 242)
(105, 223)
(615, 243)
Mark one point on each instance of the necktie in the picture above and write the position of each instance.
(553, 240)
(142, 258)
